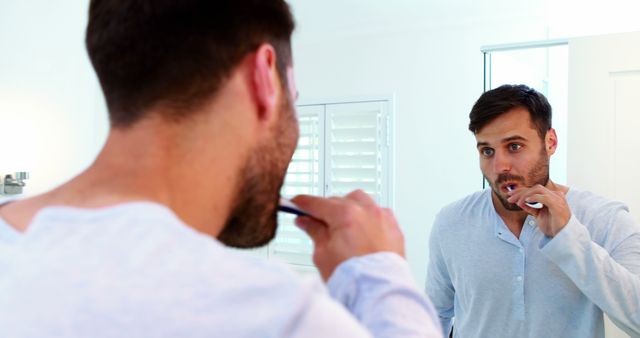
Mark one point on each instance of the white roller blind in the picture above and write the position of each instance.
(342, 147)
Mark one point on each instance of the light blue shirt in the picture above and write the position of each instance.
(496, 285)
(135, 270)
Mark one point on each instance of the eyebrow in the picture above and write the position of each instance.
(504, 140)
(513, 138)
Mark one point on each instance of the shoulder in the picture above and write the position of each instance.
(147, 273)
(238, 284)
(464, 208)
(588, 206)
(199, 259)
(218, 288)
(154, 247)
(462, 218)
(607, 220)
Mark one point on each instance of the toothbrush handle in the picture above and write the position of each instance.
(535, 205)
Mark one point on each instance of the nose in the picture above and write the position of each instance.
(501, 162)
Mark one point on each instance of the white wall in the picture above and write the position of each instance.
(425, 52)
(52, 115)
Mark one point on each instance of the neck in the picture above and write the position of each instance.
(512, 219)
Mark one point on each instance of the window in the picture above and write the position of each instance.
(342, 147)
(542, 65)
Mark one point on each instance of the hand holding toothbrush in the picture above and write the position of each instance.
(345, 227)
(549, 207)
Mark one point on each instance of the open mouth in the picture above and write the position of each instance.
(507, 187)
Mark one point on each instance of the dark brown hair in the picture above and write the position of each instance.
(177, 52)
(500, 100)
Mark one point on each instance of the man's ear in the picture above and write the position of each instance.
(265, 80)
(551, 141)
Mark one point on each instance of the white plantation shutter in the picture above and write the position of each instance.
(357, 149)
(342, 147)
(304, 176)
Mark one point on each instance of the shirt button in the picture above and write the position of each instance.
(519, 278)
(521, 251)
(532, 222)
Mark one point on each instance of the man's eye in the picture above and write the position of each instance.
(487, 152)
(514, 147)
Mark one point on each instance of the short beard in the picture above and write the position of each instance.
(253, 221)
(539, 174)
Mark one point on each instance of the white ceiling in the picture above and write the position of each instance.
(565, 18)
(324, 16)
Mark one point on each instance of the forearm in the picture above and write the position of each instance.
(610, 285)
(378, 289)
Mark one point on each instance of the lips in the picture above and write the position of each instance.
(505, 187)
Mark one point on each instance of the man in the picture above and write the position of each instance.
(501, 268)
(203, 127)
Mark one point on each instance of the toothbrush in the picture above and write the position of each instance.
(290, 207)
(535, 205)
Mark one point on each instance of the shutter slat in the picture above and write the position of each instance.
(355, 173)
(349, 186)
(355, 133)
(354, 160)
(354, 148)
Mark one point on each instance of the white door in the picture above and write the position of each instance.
(603, 153)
